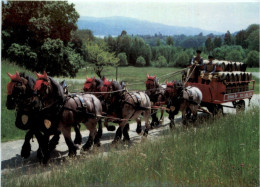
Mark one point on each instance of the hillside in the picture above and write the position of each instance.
(114, 26)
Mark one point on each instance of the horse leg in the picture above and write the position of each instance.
(119, 132)
(66, 131)
(39, 138)
(91, 126)
(26, 148)
(125, 133)
(161, 118)
(155, 120)
(147, 122)
(194, 110)
(139, 126)
(99, 134)
(78, 137)
(45, 148)
(54, 141)
(171, 118)
(109, 127)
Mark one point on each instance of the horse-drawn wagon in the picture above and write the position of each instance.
(230, 83)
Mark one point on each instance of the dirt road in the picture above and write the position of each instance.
(10, 151)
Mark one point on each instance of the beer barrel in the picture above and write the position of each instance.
(238, 66)
(243, 67)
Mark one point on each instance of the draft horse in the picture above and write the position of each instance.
(67, 111)
(184, 99)
(22, 97)
(127, 106)
(156, 95)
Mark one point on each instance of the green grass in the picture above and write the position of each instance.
(252, 69)
(222, 152)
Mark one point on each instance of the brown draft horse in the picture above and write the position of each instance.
(156, 95)
(182, 98)
(93, 85)
(69, 110)
(21, 96)
(127, 106)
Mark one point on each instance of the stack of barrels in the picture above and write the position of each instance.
(233, 75)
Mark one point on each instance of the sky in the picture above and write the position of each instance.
(209, 15)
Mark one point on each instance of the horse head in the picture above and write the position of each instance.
(106, 87)
(170, 89)
(19, 90)
(42, 85)
(89, 85)
(151, 82)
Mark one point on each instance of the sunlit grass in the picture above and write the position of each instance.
(222, 152)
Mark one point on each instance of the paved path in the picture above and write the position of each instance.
(10, 151)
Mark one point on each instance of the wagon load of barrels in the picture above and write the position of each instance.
(228, 66)
(235, 76)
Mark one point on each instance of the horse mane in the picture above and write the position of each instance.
(99, 82)
(156, 81)
(30, 79)
(57, 88)
(116, 86)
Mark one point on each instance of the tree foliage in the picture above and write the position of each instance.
(252, 59)
(35, 26)
(122, 59)
(140, 61)
(100, 58)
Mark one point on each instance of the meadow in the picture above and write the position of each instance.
(134, 78)
(223, 152)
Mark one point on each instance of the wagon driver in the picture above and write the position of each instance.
(209, 70)
(197, 63)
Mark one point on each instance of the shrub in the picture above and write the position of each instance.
(182, 60)
(122, 59)
(140, 61)
(161, 62)
(252, 59)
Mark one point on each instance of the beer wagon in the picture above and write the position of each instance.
(230, 83)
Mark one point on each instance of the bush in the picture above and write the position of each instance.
(252, 59)
(140, 61)
(122, 59)
(234, 55)
(182, 60)
(161, 62)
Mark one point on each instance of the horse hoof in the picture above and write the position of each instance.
(97, 144)
(86, 147)
(26, 151)
(78, 141)
(126, 139)
(111, 128)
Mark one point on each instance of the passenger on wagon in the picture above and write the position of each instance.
(209, 69)
(197, 63)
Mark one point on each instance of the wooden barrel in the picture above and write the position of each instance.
(243, 76)
(238, 66)
(232, 77)
(233, 66)
(243, 67)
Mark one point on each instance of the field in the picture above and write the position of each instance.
(221, 153)
(131, 75)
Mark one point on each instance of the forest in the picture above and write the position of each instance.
(44, 36)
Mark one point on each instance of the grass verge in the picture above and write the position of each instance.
(217, 152)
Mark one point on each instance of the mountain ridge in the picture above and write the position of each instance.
(114, 25)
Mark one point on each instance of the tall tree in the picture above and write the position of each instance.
(209, 44)
(240, 38)
(227, 38)
(169, 40)
(217, 42)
